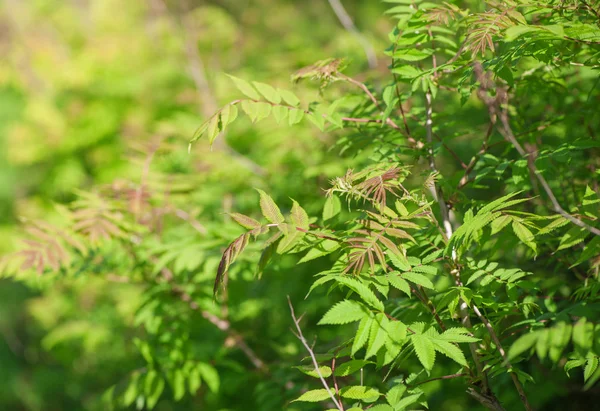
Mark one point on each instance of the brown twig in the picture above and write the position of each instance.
(300, 336)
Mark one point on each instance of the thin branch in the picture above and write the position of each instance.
(513, 375)
(445, 214)
(300, 336)
(445, 377)
(494, 105)
(348, 24)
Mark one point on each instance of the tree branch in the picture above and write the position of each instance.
(513, 375)
(300, 336)
(495, 109)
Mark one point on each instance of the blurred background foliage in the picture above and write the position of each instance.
(107, 93)
(98, 100)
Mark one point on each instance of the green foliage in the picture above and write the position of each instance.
(455, 248)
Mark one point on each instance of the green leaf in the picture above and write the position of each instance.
(289, 97)
(412, 54)
(359, 392)
(332, 207)
(344, 312)
(314, 396)
(362, 290)
(299, 216)
(560, 335)
(399, 261)
(280, 113)
(210, 376)
(394, 395)
(500, 223)
(154, 386)
(450, 350)
(212, 129)
(320, 249)
(406, 401)
(350, 367)
(583, 336)
(263, 110)
(245, 87)
(245, 221)
(418, 279)
(311, 372)
(194, 380)
(251, 109)
(295, 116)
(399, 283)
(457, 335)
(522, 344)
(381, 407)
(268, 92)
(378, 335)
(269, 209)
(524, 235)
(574, 236)
(500, 203)
(424, 349)
(228, 115)
(362, 334)
(178, 383)
(590, 367)
(317, 119)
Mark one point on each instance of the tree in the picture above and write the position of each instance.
(465, 224)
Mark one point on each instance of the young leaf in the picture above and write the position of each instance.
(377, 335)
(418, 279)
(245, 221)
(332, 207)
(350, 367)
(213, 129)
(359, 392)
(245, 87)
(269, 209)
(522, 344)
(362, 290)
(424, 349)
(268, 91)
(295, 116)
(362, 334)
(289, 97)
(311, 372)
(399, 283)
(314, 396)
(299, 216)
(450, 350)
(344, 312)
(524, 235)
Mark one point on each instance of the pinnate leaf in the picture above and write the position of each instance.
(245, 87)
(269, 208)
(314, 396)
(424, 349)
(344, 312)
(245, 221)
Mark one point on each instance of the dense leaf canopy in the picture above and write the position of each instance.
(223, 205)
